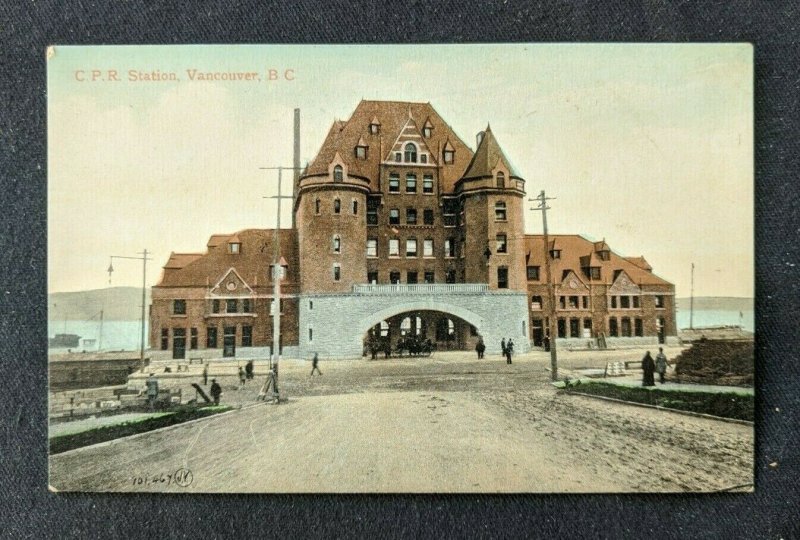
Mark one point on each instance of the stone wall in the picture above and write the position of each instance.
(338, 323)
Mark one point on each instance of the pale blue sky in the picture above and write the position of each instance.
(649, 146)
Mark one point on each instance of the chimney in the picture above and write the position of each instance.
(478, 139)
(296, 163)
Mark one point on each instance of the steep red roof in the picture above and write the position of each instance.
(392, 116)
(576, 250)
(486, 158)
(251, 263)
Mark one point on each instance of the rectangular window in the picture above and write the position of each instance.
(562, 302)
(337, 244)
(372, 277)
(411, 183)
(594, 272)
(562, 328)
(536, 303)
(361, 152)
(179, 307)
(502, 278)
(355, 208)
(211, 337)
(659, 301)
(427, 248)
(613, 330)
(500, 211)
(502, 246)
(394, 183)
(411, 277)
(411, 247)
(246, 307)
(450, 277)
(372, 211)
(574, 328)
(423, 158)
(573, 302)
(164, 339)
(394, 216)
(178, 343)
(193, 339)
(310, 334)
(231, 306)
(394, 247)
(427, 216)
(555, 253)
(215, 306)
(337, 272)
(398, 156)
(626, 327)
(411, 216)
(450, 247)
(635, 301)
(625, 302)
(449, 156)
(247, 336)
(613, 302)
(638, 327)
(585, 302)
(533, 273)
(427, 184)
(394, 277)
(429, 276)
(372, 247)
(233, 247)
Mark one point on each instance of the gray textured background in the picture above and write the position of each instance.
(29, 511)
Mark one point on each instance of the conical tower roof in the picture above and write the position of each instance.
(486, 158)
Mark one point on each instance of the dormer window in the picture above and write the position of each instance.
(594, 272)
(234, 247)
(427, 131)
(410, 153)
(449, 156)
(501, 180)
(361, 152)
(374, 129)
(398, 157)
(338, 174)
(423, 158)
(555, 253)
(604, 255)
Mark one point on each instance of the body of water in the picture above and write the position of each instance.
(116, 335)
(717, 317)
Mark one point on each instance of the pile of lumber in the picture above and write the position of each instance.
(727, 362)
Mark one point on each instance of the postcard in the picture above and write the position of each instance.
(487, 268)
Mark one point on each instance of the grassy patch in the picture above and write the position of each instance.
(727, 404)
(179, 415)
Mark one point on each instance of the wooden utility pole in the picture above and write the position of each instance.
(144, 260)
(551, 293)
(691, 302)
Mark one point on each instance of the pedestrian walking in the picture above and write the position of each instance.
(314, 364)
(480, 347)
(248, 369)
(648, 370)
(242, 377)
(503, 346)
(216, 391)
(152, 390)
(661, 364)
(205, 375)
(509, 350)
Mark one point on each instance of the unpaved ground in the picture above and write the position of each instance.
(448, 423)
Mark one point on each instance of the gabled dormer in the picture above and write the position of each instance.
(231, 284)
(337, 169)
(234, 245)
(623, 284)
(374, 126)
(592, 265)
(602, 250)
(427, 129)
(554, 249)
(361, 149)
(448, 153)
(410, 148)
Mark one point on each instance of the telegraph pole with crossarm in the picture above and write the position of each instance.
(278, 265)
(551, 294)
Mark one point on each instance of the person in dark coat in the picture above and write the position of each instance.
(248, 369)
(503, 346)
(480, 347)
(216, 391)
(205, 375)
(648, 370)
(315, 364)
(509, 350)
(242, 377)
(661, 364)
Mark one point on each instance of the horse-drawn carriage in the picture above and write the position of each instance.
(405, 346)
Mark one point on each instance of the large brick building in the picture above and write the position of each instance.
(401, 229)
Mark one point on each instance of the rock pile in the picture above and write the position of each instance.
(727, 362)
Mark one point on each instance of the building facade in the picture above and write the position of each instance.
(402, 231)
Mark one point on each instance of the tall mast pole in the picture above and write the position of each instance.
(276, 281)
(551, 293)
(691, 302)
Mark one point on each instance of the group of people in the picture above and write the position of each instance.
(507, 348)
(650, 367)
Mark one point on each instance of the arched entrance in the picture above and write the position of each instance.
(420, 330)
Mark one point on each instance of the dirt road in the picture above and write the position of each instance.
(450, 423)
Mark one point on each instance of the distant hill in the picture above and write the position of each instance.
(117, 304)
(722, 303)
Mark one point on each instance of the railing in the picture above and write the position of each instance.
(421, 288)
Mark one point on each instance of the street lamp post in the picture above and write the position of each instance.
(144, 260)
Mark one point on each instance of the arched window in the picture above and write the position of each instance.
(337, 244)
(338, 174)
(410, 153)
(337, 206)
(405, 326)
(501, 180)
